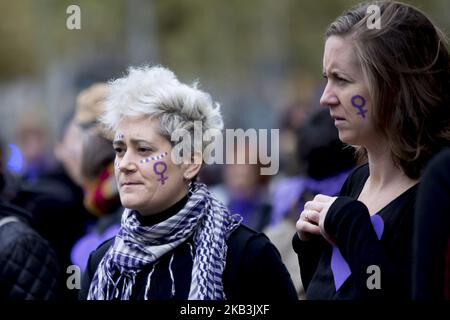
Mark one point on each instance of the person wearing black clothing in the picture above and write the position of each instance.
(55, 202)
(388, 91)
(176, 240)
(431, 272)
(29, 268)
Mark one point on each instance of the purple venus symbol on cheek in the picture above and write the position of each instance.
(360, 105)
(160, 172)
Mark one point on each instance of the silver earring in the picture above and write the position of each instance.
(190, 189)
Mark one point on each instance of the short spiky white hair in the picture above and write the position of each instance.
(157, 93)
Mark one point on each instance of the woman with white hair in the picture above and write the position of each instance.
(176, 240)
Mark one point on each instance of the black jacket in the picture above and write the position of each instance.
(56, 205)
(254, 271)
(28, 266)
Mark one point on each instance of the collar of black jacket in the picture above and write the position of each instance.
(7, 209)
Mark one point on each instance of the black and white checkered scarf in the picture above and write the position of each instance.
(135, 246)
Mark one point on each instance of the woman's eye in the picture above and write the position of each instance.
(341, 80)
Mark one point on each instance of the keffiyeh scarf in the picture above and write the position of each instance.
(203, 217)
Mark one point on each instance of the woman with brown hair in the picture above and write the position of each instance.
(388, 92)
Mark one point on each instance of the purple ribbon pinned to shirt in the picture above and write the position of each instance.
(339, 267)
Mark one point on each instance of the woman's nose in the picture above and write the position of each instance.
(127, 163)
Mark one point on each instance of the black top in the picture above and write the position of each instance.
(164, 215)
(432, 231)
(348, 221)
(254, 270)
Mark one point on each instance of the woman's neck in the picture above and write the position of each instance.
(386, 181)
(383, 170)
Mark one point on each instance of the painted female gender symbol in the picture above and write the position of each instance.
(359, 106)
(160, 173)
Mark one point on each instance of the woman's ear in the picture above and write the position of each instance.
(191, 169)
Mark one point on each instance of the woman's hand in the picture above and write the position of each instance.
(313, 216)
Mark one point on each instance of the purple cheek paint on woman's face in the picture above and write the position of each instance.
(162, 155)
(160, 167)
(359, 102)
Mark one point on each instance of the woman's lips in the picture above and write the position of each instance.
(335, 117)
(338, 120)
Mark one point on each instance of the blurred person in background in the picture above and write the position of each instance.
(245, 190)
(33, 141)
(29, 268)
(291, 121)
(56, 202)
(431, 271)
(318, 143)
(68, 149)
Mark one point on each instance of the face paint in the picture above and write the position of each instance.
(162, 155)
(119, 136)
(158, 163)
(117, 164)
(360, 105)
(161, 172)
